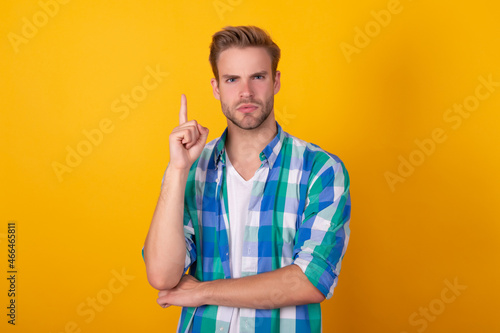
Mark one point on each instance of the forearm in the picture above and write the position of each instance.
(280, 288)
(165, 248)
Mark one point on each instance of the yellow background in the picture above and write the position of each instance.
(440, 224)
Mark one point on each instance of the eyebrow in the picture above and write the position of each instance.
(230, 76)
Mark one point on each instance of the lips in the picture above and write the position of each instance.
(247, 108)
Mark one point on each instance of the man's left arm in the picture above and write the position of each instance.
(321, 240)
(276, 289)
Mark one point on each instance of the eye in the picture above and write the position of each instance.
(230, 80)
(259, 77)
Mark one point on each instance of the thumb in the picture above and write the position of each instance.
(203, 133)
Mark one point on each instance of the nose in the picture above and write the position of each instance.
(246, 89)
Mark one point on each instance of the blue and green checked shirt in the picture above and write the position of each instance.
(299, 214)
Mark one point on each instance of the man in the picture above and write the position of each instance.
(259, 216)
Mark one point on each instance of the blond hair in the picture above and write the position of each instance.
(242, 36)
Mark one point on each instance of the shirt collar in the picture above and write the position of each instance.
(269, 153)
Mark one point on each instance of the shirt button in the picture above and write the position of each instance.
(221, 329)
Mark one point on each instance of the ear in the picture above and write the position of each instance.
(277, 82)
(215, 88)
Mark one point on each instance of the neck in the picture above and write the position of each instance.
(244, 146)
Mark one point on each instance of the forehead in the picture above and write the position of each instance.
(248, 59)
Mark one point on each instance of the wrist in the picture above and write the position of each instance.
(174, 172)
(175, 180)
(207, 292)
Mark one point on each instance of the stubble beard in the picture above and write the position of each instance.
(256, 120)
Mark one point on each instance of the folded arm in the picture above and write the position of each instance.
(283, 287)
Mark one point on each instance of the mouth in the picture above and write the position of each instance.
(247, 108)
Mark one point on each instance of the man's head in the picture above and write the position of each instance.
(241, 37)
(244, 60)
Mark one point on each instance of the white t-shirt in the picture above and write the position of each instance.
(239, 192)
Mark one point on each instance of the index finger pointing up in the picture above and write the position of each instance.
(183, 110)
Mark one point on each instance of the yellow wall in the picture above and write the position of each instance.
(367, 97)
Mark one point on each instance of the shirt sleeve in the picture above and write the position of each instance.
(321, 239)
(189, 238)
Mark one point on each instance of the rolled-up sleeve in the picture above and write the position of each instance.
(190, 215)
(322, 237)
(190, 243)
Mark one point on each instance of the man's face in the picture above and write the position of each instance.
(246, 88)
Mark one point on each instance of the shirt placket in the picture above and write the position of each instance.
(223, 241)
(223, 313)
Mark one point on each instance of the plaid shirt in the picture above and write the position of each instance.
(299, 214)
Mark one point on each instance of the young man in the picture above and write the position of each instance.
(259, 216)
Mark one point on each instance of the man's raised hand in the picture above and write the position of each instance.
(186, 140)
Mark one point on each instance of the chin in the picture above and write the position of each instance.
(247, 126)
